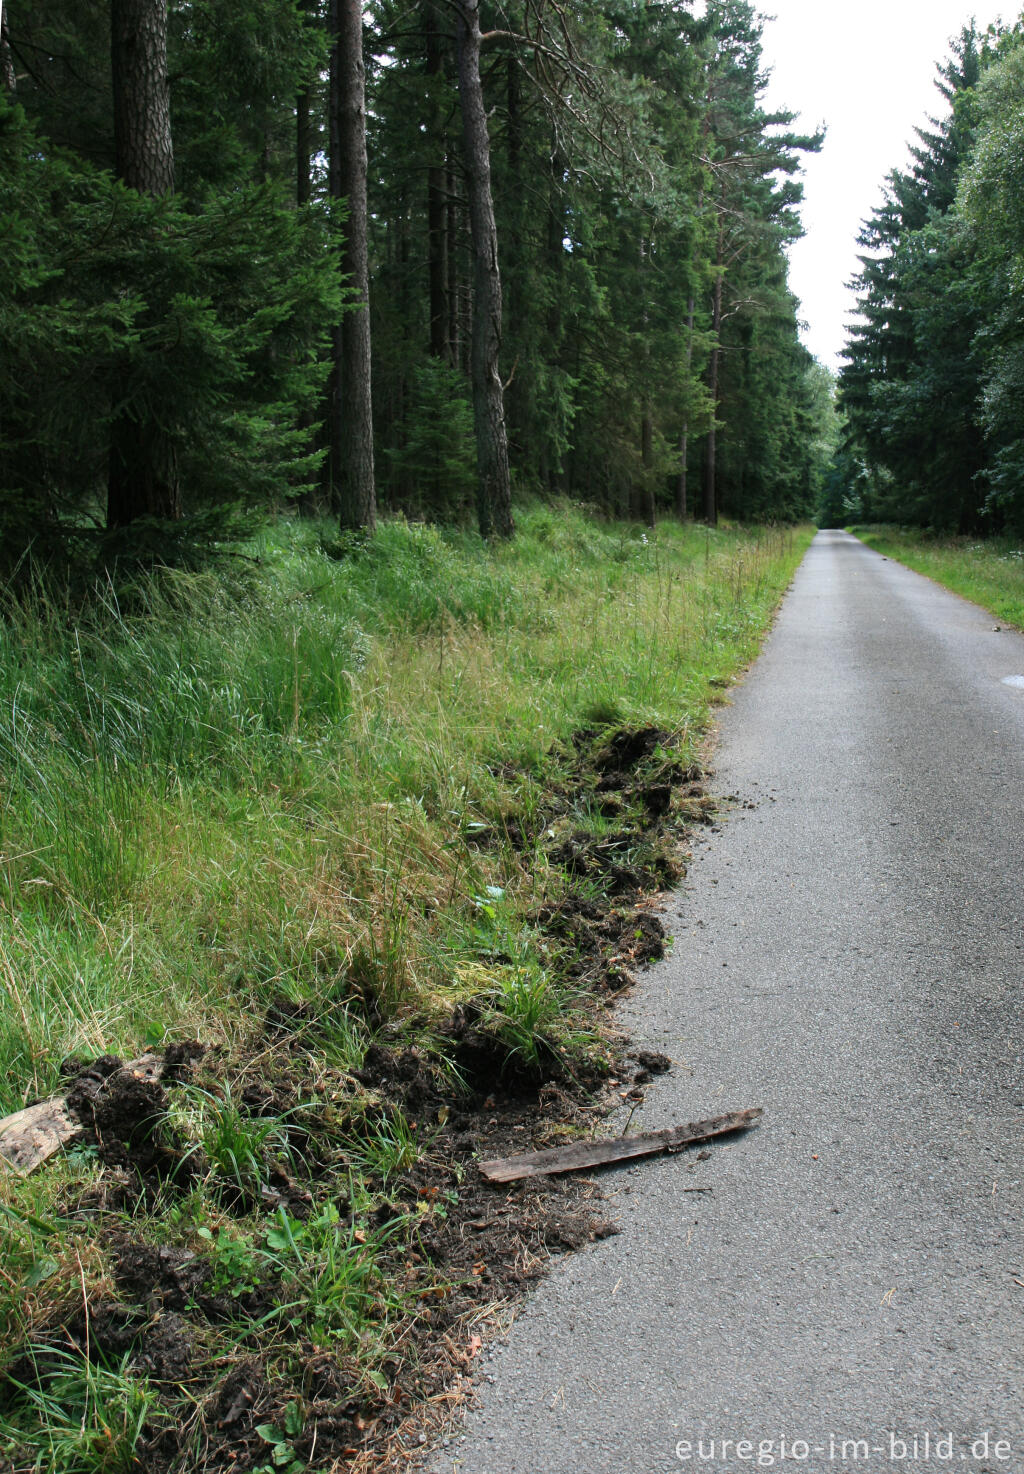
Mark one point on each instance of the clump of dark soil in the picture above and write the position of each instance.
(484, 1059)
(599, 944)
(123, 1109)
(637, 779)
(405, 1076)
(653, 1062)
(160, 1276)
(619, 863)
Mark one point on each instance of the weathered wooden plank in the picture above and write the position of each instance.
(582, 1154)
(30, 1136)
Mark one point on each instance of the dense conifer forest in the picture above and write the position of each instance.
(419, 258)
(933, 386)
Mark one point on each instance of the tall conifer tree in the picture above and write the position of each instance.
(351, 399)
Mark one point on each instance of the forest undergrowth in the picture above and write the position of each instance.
(989, 572)
(355, 842)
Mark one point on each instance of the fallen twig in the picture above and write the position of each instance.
(582, 1154)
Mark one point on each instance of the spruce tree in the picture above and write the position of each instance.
(350, 399)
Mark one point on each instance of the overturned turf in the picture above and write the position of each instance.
(296, 1262)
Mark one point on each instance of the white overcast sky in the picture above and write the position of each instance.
(866, 69)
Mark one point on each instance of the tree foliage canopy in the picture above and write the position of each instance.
(933, 388)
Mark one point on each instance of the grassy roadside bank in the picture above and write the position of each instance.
(989, 573)
(364, 835)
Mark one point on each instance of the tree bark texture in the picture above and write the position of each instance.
(710, 457)
(7, 76)
(643, 508)
(142, 478)
(142, 99)
(684, 438)
(455, 230)
(437, 204)
(494, 490)
(351, 407)
(310, 500)
(518, 410)
(682, 498)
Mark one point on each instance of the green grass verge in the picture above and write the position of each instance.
(990, 573)
(214, 794)
(233, 799)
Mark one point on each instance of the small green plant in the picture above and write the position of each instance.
(343, 1039)
(283, 1458)
(385, 1142)
(493, 929)
(237, 1266)
(331, 1267)
(526, 1011)
(379, 969)
(603, 711)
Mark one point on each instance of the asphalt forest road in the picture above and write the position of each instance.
(850, 956)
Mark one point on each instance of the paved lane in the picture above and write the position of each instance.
(849, 955)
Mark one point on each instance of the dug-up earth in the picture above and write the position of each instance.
(199, 1281)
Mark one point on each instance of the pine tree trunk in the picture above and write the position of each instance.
(437, 205)
(304, 125)
(309, 502)
(710, 458)
(351, 406)
(452, 233)
(644, 500)
(516, 211)
(552, 473)
(142, 477)
(437, 246)
(684, 438)
(494, 491)
(7, 76)
(142, 99)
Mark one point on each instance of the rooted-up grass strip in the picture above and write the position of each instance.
(215, 792)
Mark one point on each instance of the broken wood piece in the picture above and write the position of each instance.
(582, 1154)
(148, 1067)
(33, 1135)
(30, 1136)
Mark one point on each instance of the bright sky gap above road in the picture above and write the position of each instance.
(867, 72)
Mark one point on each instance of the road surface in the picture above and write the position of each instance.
(850, 956)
